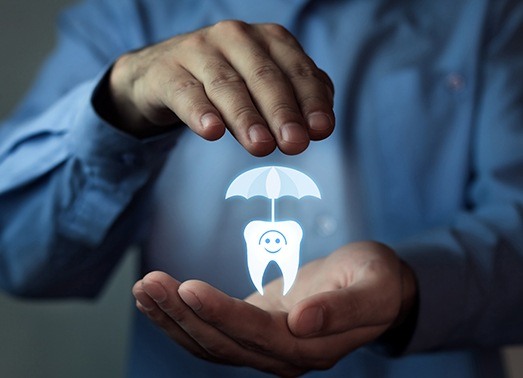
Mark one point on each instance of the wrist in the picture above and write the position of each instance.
(113, 104)
(395, 341)
(409, 295)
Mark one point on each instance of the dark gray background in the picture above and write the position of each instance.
(41, 339)
(58, 339)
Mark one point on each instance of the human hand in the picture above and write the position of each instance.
(336, 305)
(253, 79)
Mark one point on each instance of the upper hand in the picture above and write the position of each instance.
(255, 80)
(336, 305)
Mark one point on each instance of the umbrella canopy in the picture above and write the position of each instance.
(273, 182)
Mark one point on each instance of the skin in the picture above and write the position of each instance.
(253, 80)
(256, 82)
(336, 305)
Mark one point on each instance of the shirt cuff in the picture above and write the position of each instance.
(442, 287)
(112, 167)
(111, 153)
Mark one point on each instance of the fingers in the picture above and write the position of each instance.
(254, 80)
(287, 89)
(157, 296)
(211, 305)
(250, 329)
(266, 333)
(225, 91)
(346, 309)
(312, 89)
(222, 329)
(186, 97)
(146, 302)
(266, 85)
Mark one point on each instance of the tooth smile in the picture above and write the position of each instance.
(273, 241)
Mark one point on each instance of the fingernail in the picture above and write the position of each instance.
(190, 299)
(311, 321)
(210, 120)
(294, 133)
(319, 122)
(259, 134)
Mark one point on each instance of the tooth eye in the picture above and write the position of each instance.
(277, 241)
(267, 240)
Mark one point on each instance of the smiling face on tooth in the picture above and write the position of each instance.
(273, 241)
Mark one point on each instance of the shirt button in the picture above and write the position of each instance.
(326, 225)
(455, 82)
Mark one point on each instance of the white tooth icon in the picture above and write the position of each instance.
(273, 241)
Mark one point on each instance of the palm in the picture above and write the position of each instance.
(365, 269)
(336, 305)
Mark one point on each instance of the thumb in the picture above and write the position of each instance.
(342, 310)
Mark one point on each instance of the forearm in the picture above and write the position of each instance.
(468, 268)
(70, 187)
(68, 179)
(470, 291)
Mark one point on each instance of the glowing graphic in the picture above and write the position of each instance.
(273, 241)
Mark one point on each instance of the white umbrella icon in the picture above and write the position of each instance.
(273, 241)
(273, 182)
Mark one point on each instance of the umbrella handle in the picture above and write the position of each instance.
(272, 209)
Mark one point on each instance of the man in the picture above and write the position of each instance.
(426, 158)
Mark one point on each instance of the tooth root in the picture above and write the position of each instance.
(257, 270)
(289, 270)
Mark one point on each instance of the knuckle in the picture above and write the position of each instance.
(178, 87)
(222, 76)
(265, 73)
(312, 101)
(278, 31)
(193, 41)
(179, 314)
(283, 109)
(225, 79)
(155, 315)
(230, 27)
(245, 114)
(304, 70)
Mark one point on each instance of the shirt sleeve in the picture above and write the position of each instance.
(470, 272)
(72, 187)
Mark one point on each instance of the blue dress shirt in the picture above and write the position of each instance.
(427, 156)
